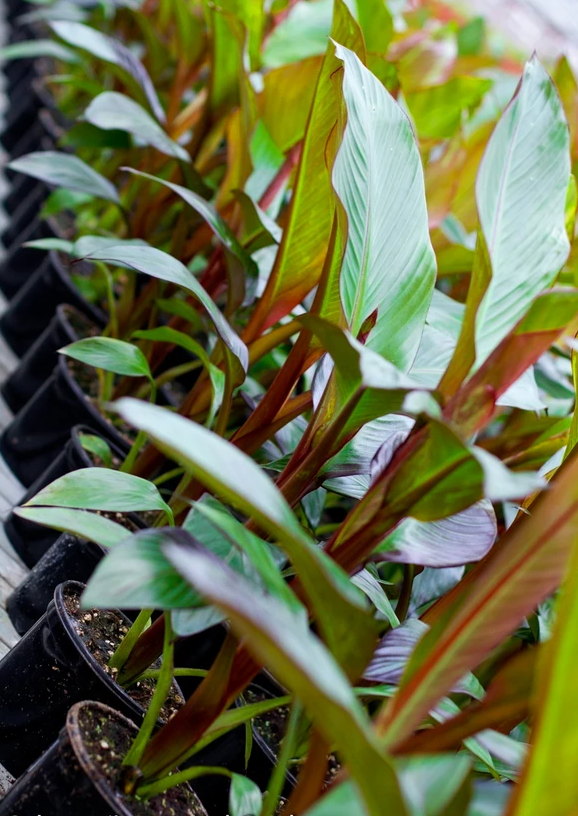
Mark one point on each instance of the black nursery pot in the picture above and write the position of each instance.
(25, 213)
(21, 189)
(68, 559)
(68, 779)
(47, 671)
(229, 750)
(35, 304)
(40, 430)
(31, 541)
(37, 365)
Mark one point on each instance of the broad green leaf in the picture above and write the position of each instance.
(240, 263)
(48, 244)
(113, 51)
(549, 784)
(437, 112)
(160, 265)
(389, 264)
(526, 567)
(101, 489)
(109, 354)
(521, 195)
(344, 799)
(225, 470)
(98, 447)
(137, 575)
(365, 581)
(76, 522)
(431, 784)
(64, 170)
(245, 797)
(301, 663)
(87, 244)
(166, 334)
(306, 236)
(115, 111)
(303, 33)
(365, 384)
(30, 49)
(376, 23)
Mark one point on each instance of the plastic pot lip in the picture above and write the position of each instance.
(82, 649)
(81, 453)
(263, 745)
(102, 425)
(93, 312)
(91, 770)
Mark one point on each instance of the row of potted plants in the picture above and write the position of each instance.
(291, 302)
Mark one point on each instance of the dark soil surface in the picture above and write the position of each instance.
(107, 742)
(101, 631)
(271, 728)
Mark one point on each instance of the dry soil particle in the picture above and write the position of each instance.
(107, 742)
(101, 631)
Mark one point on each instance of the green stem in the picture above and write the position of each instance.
(288, 748)
(171, 781)
(165, 477)
(128, 463)
(160, 696)
(405, 593)
(125, 647)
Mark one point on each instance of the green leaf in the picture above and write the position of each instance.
(160, 265)
(76, 522)
(302, 664)
(97, 446)
(101, 489)
(431, 783)
(437, 112)
(112, 51)
(389, 264)
(376, 23)
(109, 354)
(245, 797)
(306, 236)
(549, 784)
(166, 334)
(239, 261)
(228, 472)
(303, 33)
(30, 49)
(115, 111)
(137, 575)
(64, 170)
(343, 798)
(490, 602)
(521, 194)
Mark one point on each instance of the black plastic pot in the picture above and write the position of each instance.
(22, 186)
(39, 361)
(21, 262)
(229, 750)
(68, 559)
(66, 780)
(31, 540)
(47, 671)
(37, 434)
(35, 304)
(25, 213)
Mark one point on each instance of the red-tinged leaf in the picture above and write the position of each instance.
(441, 181)
(285, 644)
(474, 404)
(507, 702)
(525, 567)
(549, 783)
(306, 237)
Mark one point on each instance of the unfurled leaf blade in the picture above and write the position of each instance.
(77, 522)
(389, 264)
(109, 354)
(115, 111)
(64, 170)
